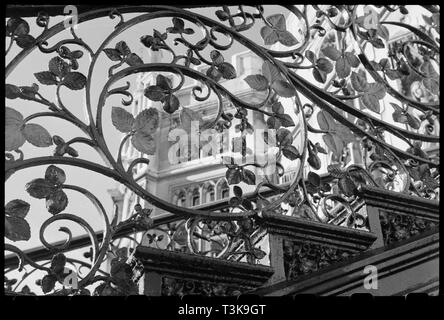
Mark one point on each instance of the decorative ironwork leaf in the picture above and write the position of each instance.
(234, 175)
(46, 78)
(342, 67)
(325, 121)
(37, 135)
(347, 186)
(319, 75)
(155, 93)
(371, 102)
(133, 60)
(214, 73)
(331, 52)
(277, 21)
(227, 70)
(352, 59)
(273, 123)
(287, 38)
(314, 160)
(257, 82)
(269, 35)
(171, 104)
(237, 191)
(113, 54)
(383, 32)
(122, 119)
(319, 149)
(144, 142)
(12, 91)
(271, 72)
(14, 138)
(314, 179)
(412, 120)
(39, 188)
(310, 55)
(278, 108)
(58, 67)
(334, 143)
(17, 208)
(123, 48)
(283, 88)
(164, 82)
(286, 120)
(222, 15)
(399, 116)
(58, 262)
(216, 57)
(284, 137)
(17, 229)
(277, 32)
(147, 121)
(359, 82)
(324, 65)
(258, 253)
(74, 81)
(48, 283)
(29, 92)
(25, 41)
(291, 152)
(17, 27)
(55, 175)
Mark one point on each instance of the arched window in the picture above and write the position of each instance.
(181, 199)
(195, 197)
(223, 190)
(210, 194)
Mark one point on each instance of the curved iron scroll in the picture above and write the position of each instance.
(321, 94)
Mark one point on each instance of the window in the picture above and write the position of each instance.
(181, 199)
(209, 194)
(223, 190)
(195, 197)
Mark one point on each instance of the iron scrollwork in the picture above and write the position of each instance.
(345, 103)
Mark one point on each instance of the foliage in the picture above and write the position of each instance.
(343, 115)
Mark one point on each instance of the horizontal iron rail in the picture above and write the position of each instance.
(41, 253)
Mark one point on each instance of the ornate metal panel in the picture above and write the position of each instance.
(334, 113)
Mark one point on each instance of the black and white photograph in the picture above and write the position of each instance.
(173, 150)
